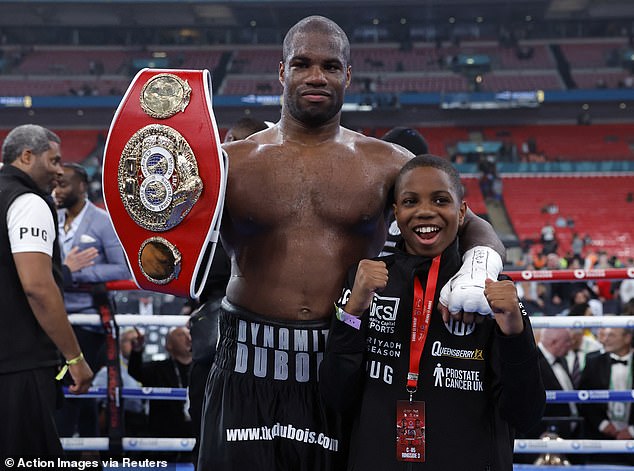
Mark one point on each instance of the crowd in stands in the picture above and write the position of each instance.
(380, 68)
(552, 299)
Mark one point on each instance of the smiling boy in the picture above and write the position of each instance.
(450, 393)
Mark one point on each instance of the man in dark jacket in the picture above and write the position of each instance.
(34, 325)
(166, 418)
(610, 370)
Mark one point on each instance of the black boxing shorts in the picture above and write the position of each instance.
(262, 406)
(164, 177)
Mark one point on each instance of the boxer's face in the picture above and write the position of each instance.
(315, 76)
(428, 211)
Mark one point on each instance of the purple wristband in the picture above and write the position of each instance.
(352, 321)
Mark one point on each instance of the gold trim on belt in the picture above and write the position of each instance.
(158, 178)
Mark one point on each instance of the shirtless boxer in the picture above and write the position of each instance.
(305, 200)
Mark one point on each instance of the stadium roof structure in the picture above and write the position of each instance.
(242, 23)
(281, 14)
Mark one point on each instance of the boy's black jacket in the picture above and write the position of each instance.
(478, 385)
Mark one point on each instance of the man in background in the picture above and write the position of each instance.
(167, 418)
(34, 325)
(84, 227)
(611, 370)
(243, 128)
(554, 344)
(135, 410)
(414, 142)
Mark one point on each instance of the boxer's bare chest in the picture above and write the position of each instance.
(294, 186)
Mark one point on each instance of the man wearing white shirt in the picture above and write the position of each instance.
(582, 345)
(34, 326)
(558, 417)
(553, 346)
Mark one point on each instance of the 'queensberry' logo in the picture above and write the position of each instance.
(438, 350)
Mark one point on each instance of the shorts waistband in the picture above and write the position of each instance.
(277, 350)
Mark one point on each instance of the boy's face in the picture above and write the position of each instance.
(428, 211)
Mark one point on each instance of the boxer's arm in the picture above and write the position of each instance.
(475, 231)
(483, 253)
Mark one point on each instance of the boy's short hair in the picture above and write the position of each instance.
(429, 160)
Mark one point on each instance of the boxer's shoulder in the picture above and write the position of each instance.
(249, 146)
(373, 147)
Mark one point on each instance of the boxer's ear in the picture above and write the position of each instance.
(281, 73)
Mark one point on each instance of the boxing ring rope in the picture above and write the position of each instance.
(522, 275)
(129, 444)
(532, 446)
(551, 276)
(548, 276)
(537, 322)
(180, 394)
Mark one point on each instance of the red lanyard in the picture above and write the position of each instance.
(421, 317)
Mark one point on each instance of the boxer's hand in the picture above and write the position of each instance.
(371, 277)
(502, 297)
(463, 296)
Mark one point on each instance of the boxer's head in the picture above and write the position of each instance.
(429, 206)
(315, 70)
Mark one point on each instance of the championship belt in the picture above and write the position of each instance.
(164, 177)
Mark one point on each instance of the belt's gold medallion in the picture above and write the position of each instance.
(158, 178)
(164, 95)
(159, 260)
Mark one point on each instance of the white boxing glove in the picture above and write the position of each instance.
(465, 290)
